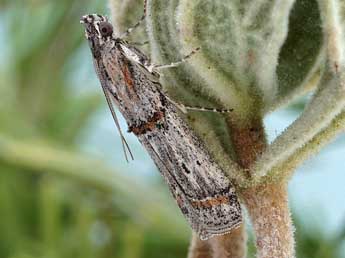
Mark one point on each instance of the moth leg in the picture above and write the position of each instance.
(179, 106)
(129, 30)
(139, 43)
(174, 64)
(207, 109)
(184, 108)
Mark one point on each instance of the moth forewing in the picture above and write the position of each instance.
(202, 191)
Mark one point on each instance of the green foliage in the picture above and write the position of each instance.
(303, 41)
(245, 46)
(312, 241)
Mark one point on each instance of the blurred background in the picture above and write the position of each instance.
(65, 187)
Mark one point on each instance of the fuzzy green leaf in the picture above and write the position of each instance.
(301, 55)
(327, 103)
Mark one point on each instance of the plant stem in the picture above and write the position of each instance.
(248, 140)
(231, 245)
(267, 204)
(199, 248)
(268, 209)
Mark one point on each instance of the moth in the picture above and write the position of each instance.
(203, 193)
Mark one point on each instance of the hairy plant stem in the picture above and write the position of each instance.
(199, 248)
(269, 212)
(248, 139)
(267, 204)
(226, 246)
(231, 245)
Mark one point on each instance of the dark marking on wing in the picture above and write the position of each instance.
(128, 77)
(149, 125)
(185, 168)
(208, 203)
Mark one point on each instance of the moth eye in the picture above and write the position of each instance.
(106, 29)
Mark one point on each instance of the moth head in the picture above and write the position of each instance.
(97, 26)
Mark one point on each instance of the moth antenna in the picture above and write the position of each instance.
(129, 30)
(123, 139)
